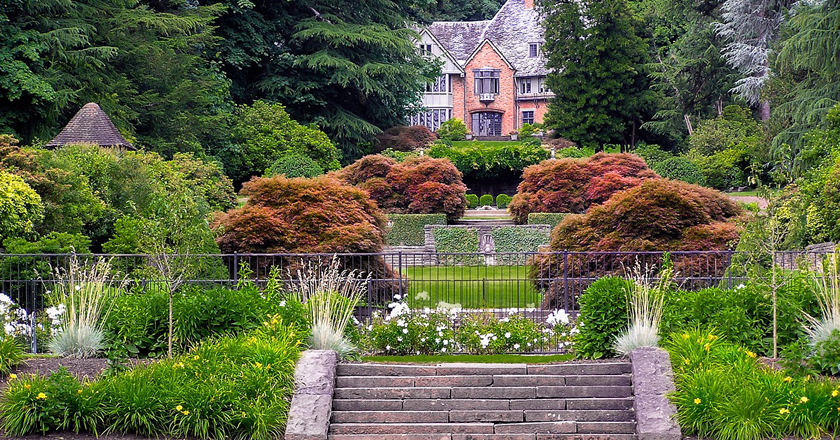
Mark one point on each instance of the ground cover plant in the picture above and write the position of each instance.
(573, 185)
(420, 185)
(230, 387)
(490, 160)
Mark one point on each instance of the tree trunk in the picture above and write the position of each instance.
(688, 124)
(764, 110)
(170, 324)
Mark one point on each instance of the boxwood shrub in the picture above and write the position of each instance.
(503, 200)
(603, 315)
(546, 218)
(486, 200)
(409, 229)
(472, 201)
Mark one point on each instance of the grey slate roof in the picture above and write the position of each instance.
(512, 30)
(90, 125)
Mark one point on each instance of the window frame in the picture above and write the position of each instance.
(486, 81)
(534, 50)
(531, 117)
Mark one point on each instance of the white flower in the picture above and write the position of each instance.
(283, 303)
(397, 296)
(370, 328)
(557, 317)
(443, 350)
(437, 340)
(507, 334)
(446, 342)
(494, 338)
(387, 348)
(78, 287)
(4, 299)
(405, 331)
(740, 286)
(399, 338)
(516, 346)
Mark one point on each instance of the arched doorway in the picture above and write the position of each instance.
(486, 124)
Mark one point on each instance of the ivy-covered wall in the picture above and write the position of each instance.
(519, 240)
(454, 240)
(409, 229)
(546, 218)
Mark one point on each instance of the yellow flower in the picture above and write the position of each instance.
(179, 408)
(79, 392)
(259, 365)
(712, 337)
(697, 401)
(687, 362)
(787, 379)
(186, 413)
(784, 411)
(41, 396)
(13, 376)
(27, 386)
(803, 399)
(707, 346)
(835, 393)
(195, 358)
(751, 354)
(685, 336)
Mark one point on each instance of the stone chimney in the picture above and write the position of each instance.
(529, 4)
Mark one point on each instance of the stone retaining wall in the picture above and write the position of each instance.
(653, 379)
(309, 415)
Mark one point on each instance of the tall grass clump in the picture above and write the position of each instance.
(330, 296)
(81, 293)
(819, 329)
(645, 301)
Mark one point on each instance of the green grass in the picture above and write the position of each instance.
(472, 358)
(484, 144)
(473, 287)
(752, 193)
(485, 217)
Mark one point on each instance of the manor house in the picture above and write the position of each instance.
(493, 76)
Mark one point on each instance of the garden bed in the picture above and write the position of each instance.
(43, 366)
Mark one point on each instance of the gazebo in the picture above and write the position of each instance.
(90, 125)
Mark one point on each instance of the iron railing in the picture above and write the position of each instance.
(532, 283)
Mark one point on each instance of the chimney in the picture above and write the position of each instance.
(529, 4)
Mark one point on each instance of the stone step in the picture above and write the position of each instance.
(411, 428)
(392, 417)
(480, 381)
(573, 369)
(567, 427)
(391, 437)
(565, 369)
(579, 415)
(583, 392)
(372, 405)
(455, 404)
(391, 393)
(385, 370)
(599, 403)
(606, 428)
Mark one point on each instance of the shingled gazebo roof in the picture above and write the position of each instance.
(90, 126)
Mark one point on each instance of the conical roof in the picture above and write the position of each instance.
(90, 125)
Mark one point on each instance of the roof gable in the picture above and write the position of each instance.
(494, 48)
(90, 125)
(446, 53)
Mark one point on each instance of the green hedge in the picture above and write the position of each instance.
(486, 200)
(503, 201)
(453, 240)
(472, 201)
(410, 229)
(517, 239)
(488, 160)
(546, 218)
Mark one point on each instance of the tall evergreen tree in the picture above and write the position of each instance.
(597, 62)
(350, 67)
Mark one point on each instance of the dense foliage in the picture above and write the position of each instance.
(452, 130)
(294, 165)
(420, 185)
(486, 161)
(572, 185)
(546, 218)
(410, 229)
(603, 314)
(405, 138)
(20, 207)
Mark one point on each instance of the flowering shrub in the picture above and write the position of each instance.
(403, 331)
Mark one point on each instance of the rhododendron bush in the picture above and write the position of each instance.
(573, 185)
(420, 185)
(319, 215)
(658, 215)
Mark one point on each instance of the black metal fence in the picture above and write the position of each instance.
(533, 284)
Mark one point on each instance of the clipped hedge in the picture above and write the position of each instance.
(486, 200)
(546, 218)
(517, 239)
(409, 229)
(456, 240)
(483, 161)
(503, 200)
(472, 201)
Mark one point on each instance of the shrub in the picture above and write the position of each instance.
(294, 165)
(485, 161)
(20, 207)
(503, 200)
(405, 138)
(207, 180)
(680, 168)
(603, 315)
(410, 229)
(485, 200)
(420, 185)
(724, 169)
(472, 201)
(528, 130)
(572, 185)
(453, 240)
(399, 156)
(405, 332)
(319, 215)
(652, 154)
(517, 240)
(11, 353)
(452, 130)
(826, 358)
(487, 334)
(546, 218)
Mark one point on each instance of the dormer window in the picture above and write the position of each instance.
(426, 49)
(486, 81)
(533, 50)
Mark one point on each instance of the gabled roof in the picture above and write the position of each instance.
(90, 125)
(511, 31)
(445, 52)
(492, 46)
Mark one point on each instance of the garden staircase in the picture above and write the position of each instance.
(483, 401)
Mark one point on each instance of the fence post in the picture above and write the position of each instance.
(729, 269)
(235, 268)
(32, 324)
(399, 272)
(566, 280)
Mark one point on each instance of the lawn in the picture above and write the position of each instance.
(472, 358)
(473, 287)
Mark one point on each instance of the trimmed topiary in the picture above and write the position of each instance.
(503, 200)
(680, 168)
(486, 200)
(294, 165)
(472, 201)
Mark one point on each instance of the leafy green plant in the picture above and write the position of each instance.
(517, 241)
(472, 201)
(826, 357)
(488, 334)
(645, 302)
(453, 240)
(485, 200)
(11, 354)
(546, 218)
(403, 331)
(294, 165)
(480, 160)
(452, 130)
(528, 130)
(21, 207)
(680, 168)
(828, 294)
(503, 200)
(409, 229)
(603, 315)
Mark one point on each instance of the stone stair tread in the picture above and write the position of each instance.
(579, 415)
(389, 437)
(390, 417)
(411, 428)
